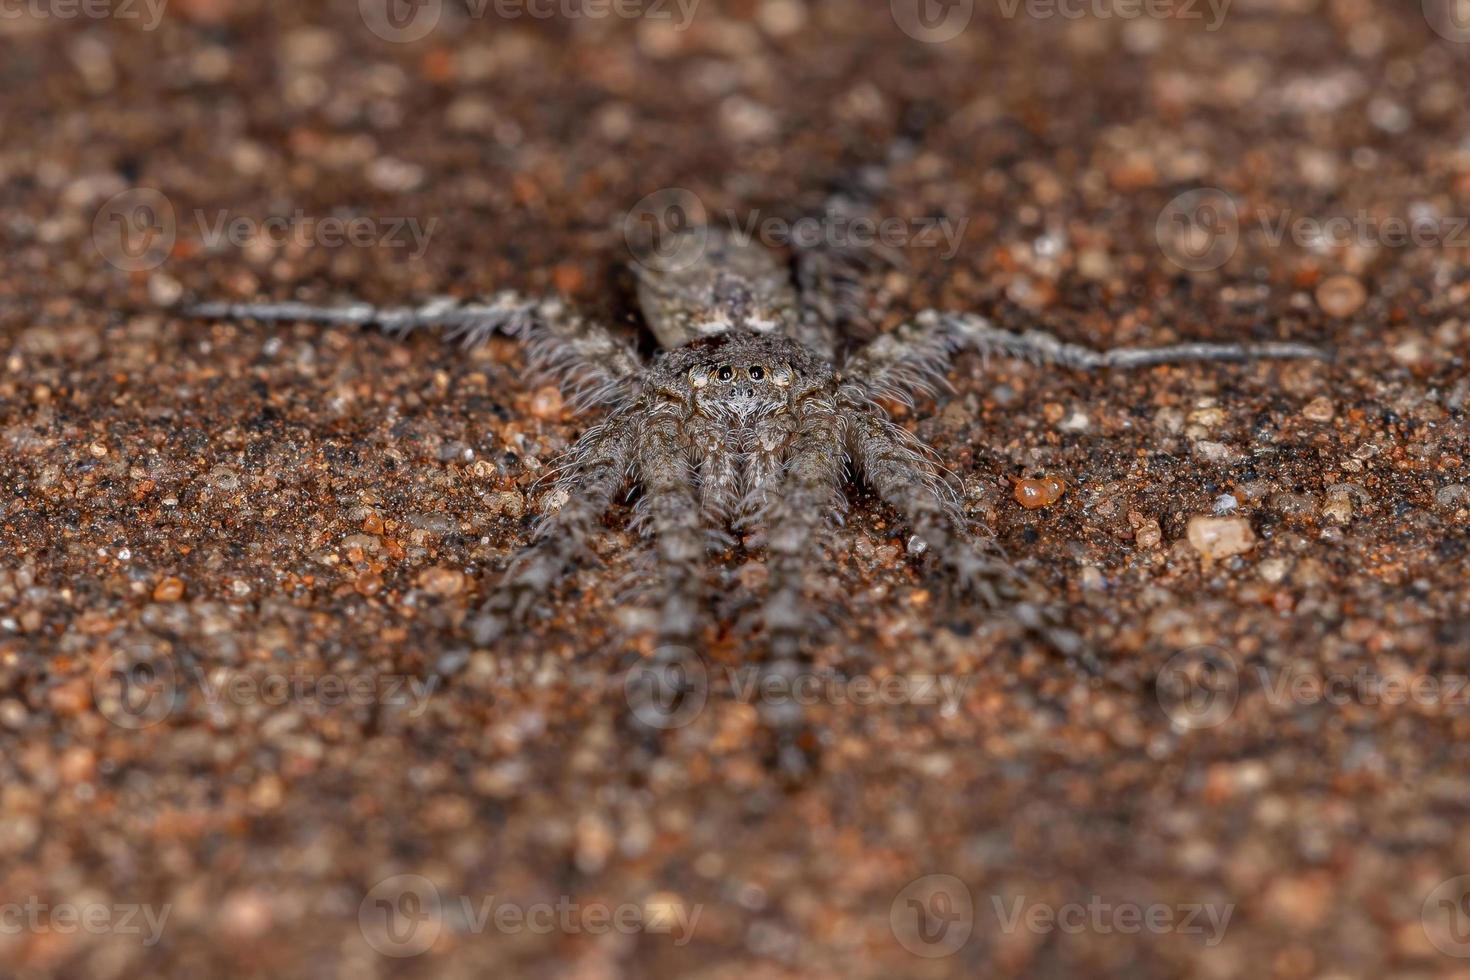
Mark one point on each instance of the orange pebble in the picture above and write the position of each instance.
(1033, 494)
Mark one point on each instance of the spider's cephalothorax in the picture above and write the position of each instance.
(750, 420)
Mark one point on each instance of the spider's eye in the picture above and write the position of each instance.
(726, 373)
(757, 372)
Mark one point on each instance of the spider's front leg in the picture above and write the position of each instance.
(797, 507)
(913, 359)
(591, 366)
(670, 511)
(595, 475)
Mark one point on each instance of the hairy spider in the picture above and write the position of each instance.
(748, 420)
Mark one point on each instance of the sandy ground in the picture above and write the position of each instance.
(245, 729)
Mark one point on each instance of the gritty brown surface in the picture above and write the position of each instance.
(231, 503)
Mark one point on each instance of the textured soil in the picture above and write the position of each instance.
(207, 507)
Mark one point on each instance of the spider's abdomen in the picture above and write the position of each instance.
(706, 282)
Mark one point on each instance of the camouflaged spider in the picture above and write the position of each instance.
(748, 420)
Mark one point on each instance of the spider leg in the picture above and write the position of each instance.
(970, 330)
(590, 364)
(720, 493)
(912, 360)
(797, 512)
(595, 476)
(764, 464)
(899, 469)
(832, 286)
(670, 511)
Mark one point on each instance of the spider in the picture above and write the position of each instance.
(749, 419)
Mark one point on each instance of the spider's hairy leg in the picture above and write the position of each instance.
(592, 366)
(719, 466)
(832, 285)
(764, 464)
(799, 509)
(670, 512)
(901, 365)
(899, 469)
(595, 476)
(913, 359)
(977, 333)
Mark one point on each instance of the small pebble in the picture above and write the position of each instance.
(1214, 452)
(442, 581)
(13, 714)
(1273, 570)
(1221, 537)
(164, 290)
(1319, 409)
(1075, 422)
(1454, 495)
(1341, 296)
(1034, 494)
(1209, 417)
(1148, 535)
(546, 403)
(170, 589)
(1338, 507)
